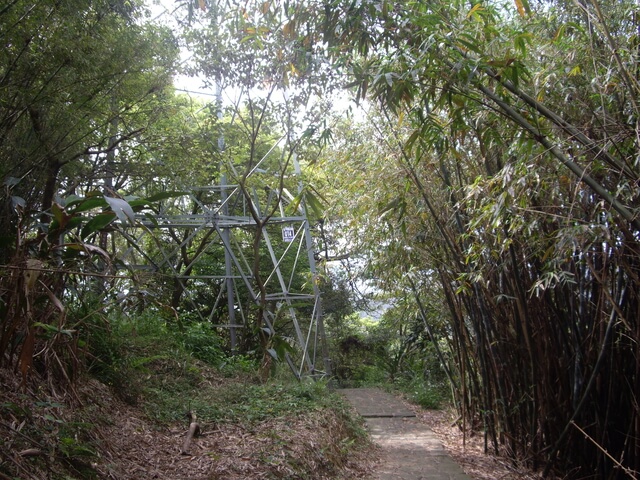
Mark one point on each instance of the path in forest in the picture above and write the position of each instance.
(411, 451)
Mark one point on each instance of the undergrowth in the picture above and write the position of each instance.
(429, 393)
(168, 371)
(165, 373)
(426, 394)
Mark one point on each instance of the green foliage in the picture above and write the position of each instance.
(254, 403)
(140, 358)
(269, 48)
(495, 181)
(78, 82)
(390, 351)
(203, 342)
(390, 354)
(119, 347)
(53, 307)
(123, 350)
(424, 392)
(63, 437)
(170, 382)
(69, 445)
(351, 350)
(424, 381)
(238, 365)
(74, 71)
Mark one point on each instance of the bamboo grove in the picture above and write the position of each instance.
(498, 185)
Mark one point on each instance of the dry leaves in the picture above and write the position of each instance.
(469, 452)
(127, 446)
(316, 445)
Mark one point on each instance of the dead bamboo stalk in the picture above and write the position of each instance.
(194, 430)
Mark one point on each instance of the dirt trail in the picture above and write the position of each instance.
(411, 450)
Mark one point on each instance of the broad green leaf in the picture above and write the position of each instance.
(58, 214)
(122, 209)
(75, 222)
(97, 223)
(138, 204)
(90, 203)
(90, 249)
(72, 200)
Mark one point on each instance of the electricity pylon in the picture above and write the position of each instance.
(287, 291)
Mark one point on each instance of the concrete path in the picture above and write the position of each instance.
(411, 450)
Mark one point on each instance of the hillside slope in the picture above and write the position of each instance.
(247, 429)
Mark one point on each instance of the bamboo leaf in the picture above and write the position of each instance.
(314, 204)
(152, 219)
(389, 78)
(477, 8)
(393, 204)
(412, 139)
(289, 29)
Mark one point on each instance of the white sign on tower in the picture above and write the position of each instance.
(288, 233)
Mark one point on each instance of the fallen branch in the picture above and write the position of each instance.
(194, 430)
(31, 452)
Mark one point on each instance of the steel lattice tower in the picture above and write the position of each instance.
(292, 310)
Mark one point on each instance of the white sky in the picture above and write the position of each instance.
(162, 12)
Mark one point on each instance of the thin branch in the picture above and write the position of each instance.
(632, 473)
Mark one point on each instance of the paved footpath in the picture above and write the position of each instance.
(411, 450)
